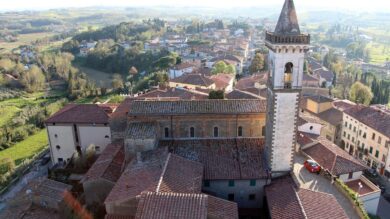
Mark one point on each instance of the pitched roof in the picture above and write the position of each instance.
(181, 205)
(172, 205)
(239, 94)
(224, 158)
(197, 107)
(226, 57)
(320, 205)
(80, 113)
(319, 98)
(194, 79)
(262, 92)
(52, 189)
(222, 80)
(285, 200)
(179, 93)
(343, 104)
(144, 130)
(372, 117)
(333, 158)
(109, 164)
(325, 73)
(251, 81)
(118, 121)
(288, 21)
(332, 116)
(184, 65)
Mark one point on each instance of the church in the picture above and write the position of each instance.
(212, 158)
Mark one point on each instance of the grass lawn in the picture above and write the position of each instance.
(7, 113)
(26, 148)
(380, 53)
(99, 77)
(24, 39)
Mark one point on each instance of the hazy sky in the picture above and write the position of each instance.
(352, 5)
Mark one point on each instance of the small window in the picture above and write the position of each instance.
(60, 160)
(350, 127)
(231, 197)
(252, 182)
(354, 129)
(350, 175)
(231, 183)
(344, 134)
(349, 136)
(379, 139)
(360, 132)
(54, 123)
(383, 158)
(353, 139)
(373, 136)
(376, 153)
(364, 135)
(97, 148)
(58, 147)
(371, 150)
(311, 127)
(106, 136)
(166, 132)
(346, 124)
(216, 132)
(206, 183)
(192, 132)
(252, 197)
(240, 131)
(55, 136)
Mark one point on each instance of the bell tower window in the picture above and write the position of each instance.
(288, 71)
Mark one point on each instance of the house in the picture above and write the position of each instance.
(366, 134)
(253, 81)
(228, 59)
(50, 194)
(192, 81)
(347, 168)
(75, 127)
(223, 82)
(310, 81)
(180, 69)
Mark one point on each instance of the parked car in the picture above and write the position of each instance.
(312, 166)
(371, 173)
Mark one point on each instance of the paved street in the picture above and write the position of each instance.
(319, 183)
(384, 209)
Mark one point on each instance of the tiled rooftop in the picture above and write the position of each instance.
(224, 159)
(52, 189)
(333, 158)
(80, 113)
(197, 107)
(194, 79)
(238, 94)
(144, 130)
(179, 93)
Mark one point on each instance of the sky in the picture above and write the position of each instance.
(350, 5)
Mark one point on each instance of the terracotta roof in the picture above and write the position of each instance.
(181, 175)
(238, 94)
(144, 130)
(303, 139)
(181, 205)
(222, 80)
(226, 57)
(372, 117)
(285, 200)
(282, 199)
(118, 119)
(112, 216)
(179, 93)
(52, 189)
(320, 205)
(333, 158)
(307, 78)
(343, 104)
(80, 113)
(325, 73)
(195, 79)
(184, 65)
(263, 92)
(332, 116)
(197, 107)
(314, 90)
(319, 99)
(172, 205)
(109, 164)
(224, 158)
(314, 64)
(250, 81)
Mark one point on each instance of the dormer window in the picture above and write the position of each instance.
(288, 70)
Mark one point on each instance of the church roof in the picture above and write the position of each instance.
(288, 21)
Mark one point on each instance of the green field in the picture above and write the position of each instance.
(380, 53)
(26, 148)
(23, 39)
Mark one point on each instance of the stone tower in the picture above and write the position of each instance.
(287, 47)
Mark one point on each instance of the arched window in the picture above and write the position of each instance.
(192, 132)
(288, 70)
(216, 132)
(166, 132)
(239, 131)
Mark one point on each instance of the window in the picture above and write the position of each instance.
(252, 197)
(353, 139)
(60, 160)
(263, 131)
(54, 123)
(288, 70)
(252, 182)
(349, 136)
(363, 145)
(166, 132)
(383, 158)
(373, 136)
(346, 124)
(231, 183)
(106, 136)
(58, 147)
(75, 132)
(354, 129)
(371, 150)
(376, 153)
(364, 135)
(360, 132)
(97, 148)
(192, 132)
(379, 139)
(55, 136)
(344, 134)
(216, 132)
(350, 175)
(231, 197)
(350, 127)
(311, 128)
(358, 143)
(239, 131)
(206, 183)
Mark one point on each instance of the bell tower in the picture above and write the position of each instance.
(287, 47)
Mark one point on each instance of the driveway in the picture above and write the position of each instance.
(319, 183)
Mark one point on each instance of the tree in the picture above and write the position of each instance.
(33, 79)
(360, 93)
(257, 63)
(222, 67)
(117, 82)
(6, 65)
(219, 94)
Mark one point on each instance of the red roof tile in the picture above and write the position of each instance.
(179, 93)
(80, 113)
(194, 79)
(221, 209)
(238, 94)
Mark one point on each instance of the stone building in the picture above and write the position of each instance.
(287, 47)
